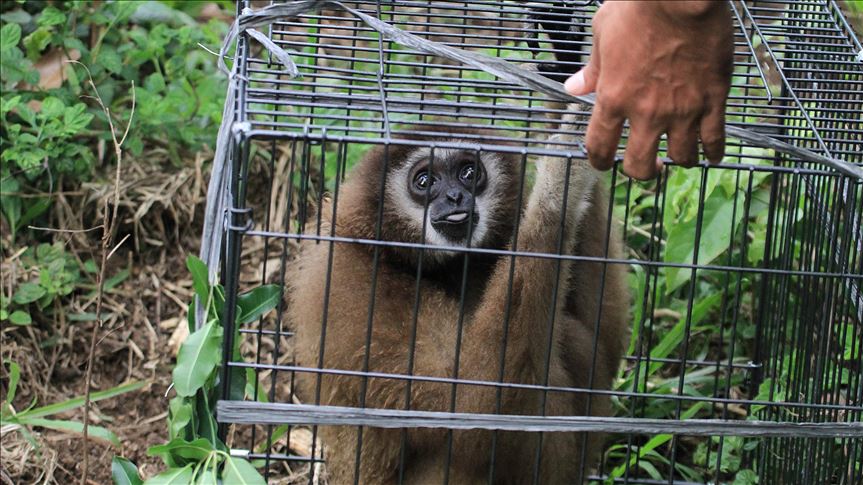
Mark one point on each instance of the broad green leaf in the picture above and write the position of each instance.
(240, 472)
(10, 35)
(18, 16)
(7, 105)
(50, 16)
(715, 238)
(239, 385)
(28, 293)
(257, 302)
(181, 414)
(20, 317)
(109, 59)
(52, 107)
(190, 316)
(124, 472)
(79, 401)
(196, 450)
(745, 477)
(37, 41)
(173, 476)
(200, 278)
(73, 427)
(14, 377)
(208, 477)
(206, 421)
(199, 355)
(252, 382)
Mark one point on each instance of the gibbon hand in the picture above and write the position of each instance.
(666, 66)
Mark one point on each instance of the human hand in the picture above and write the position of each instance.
(666, 66)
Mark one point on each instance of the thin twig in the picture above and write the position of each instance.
(107, 241)
(117, 246)
(73, 231)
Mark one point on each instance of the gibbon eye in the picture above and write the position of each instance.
(423, 180)
(468, 173)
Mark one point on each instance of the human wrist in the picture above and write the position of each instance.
(694, 14)
(690, 9)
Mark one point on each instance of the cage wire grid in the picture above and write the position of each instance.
(752, 361)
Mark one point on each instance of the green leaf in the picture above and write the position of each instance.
(196, 450)
(52, 107)
(28, 293)
(75, 119)
(10, 204)
(20, 317)
(14, 377)
(252, 382)
(198, 358)
(51, 16)
(37, 41)
(208, 476)
(90, 266)
(154, 83)
(181, 416)
(109, 59)
(79, 401)
(173, 476)
(34, 210)
(200, 278)
(240, 472)
(745, 477)
(257, 302)
(10, 35)
(715, 238)
(124, 472)
(111, 282)
(206, 421)
(18, 16)
(72, 427)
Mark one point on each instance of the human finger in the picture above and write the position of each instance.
(582, 82)
(639, 160)
(603, 136)
(713, 134)
(683, 142)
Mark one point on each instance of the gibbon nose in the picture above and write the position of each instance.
(455, 196)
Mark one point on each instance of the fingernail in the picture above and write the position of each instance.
(575, 83)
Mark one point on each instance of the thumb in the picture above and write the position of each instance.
(582, 82)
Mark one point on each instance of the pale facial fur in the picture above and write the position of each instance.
(487, 203)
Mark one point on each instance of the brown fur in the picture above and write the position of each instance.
(350, 289)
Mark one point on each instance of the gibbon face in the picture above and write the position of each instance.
(451, 197)
(449, 191)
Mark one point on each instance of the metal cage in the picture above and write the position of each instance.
(747, 312)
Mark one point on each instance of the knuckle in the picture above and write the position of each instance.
(712, 141)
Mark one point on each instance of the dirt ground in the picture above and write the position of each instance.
(160, 220)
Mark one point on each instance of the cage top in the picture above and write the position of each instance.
(798, 75)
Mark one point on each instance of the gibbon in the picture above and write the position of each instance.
(454, 198)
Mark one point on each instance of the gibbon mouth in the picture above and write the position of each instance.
(455, 218)
(455, 225)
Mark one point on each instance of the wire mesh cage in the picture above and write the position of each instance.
(738, 285)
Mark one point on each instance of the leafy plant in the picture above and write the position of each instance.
(57, 276)
(194, 453)
(50, 128)
(34, 416)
